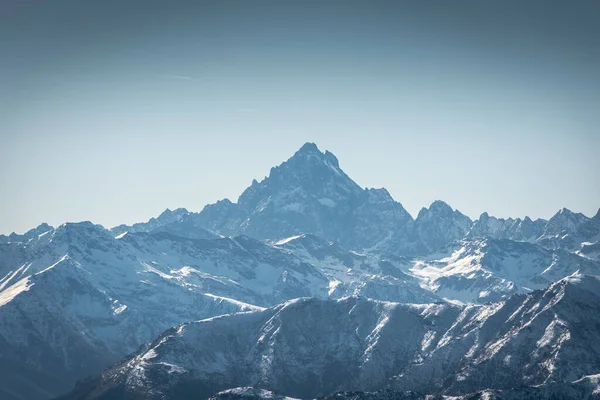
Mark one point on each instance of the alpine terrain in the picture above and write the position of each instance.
(307, 286)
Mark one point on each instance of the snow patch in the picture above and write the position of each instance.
(241, 304)
(287, 240)
(120, 309)
(63, 258)
(332, 285)
(325, 201)
(13, 291)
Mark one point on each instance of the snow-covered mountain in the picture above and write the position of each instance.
(573, 232)
(77, 298)
(309, 193)
(433, 229)
(564, 222)
(33, 233)
(294, 349)
(438, 225)
(481, 270)
(499, 228)
(565, 230)
(165, 218)
(351, 273)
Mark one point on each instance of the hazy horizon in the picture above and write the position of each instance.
(112, 112)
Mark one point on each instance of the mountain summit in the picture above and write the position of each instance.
(309, 193)
(77, 298)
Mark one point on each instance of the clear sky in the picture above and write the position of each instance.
(112, 111)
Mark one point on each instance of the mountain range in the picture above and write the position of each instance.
(547, 336)
(306, 286)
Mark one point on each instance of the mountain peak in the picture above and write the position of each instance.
(565, 211)
(563, 221)
(309, 148)
(309, 193)
(168, 213)
(564, 214)
(438, 207)
(43, 227)
(311, 170)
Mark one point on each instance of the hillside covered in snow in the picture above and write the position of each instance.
(78, 298)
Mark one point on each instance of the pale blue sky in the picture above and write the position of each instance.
(113, 112)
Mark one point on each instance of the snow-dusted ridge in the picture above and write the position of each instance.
(543, 338)
(480, 270)
(87, 298)
(76, 298)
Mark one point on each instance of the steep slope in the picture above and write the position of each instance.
(294, 349)
(31, 234)
(240, 268)
(307, 230)
(355, 274)
(107, 295)
(515, 229)
(437, 226)
(309, 193)
(166, 217)
(564, 222)
(561, 231)
(566, 230)
(75, 299)
(482, 270)
(80, 301)
(580, 234)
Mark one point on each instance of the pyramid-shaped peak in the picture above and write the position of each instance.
(309, 148)
(309, 162)
(441, 211)
(566, 214)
